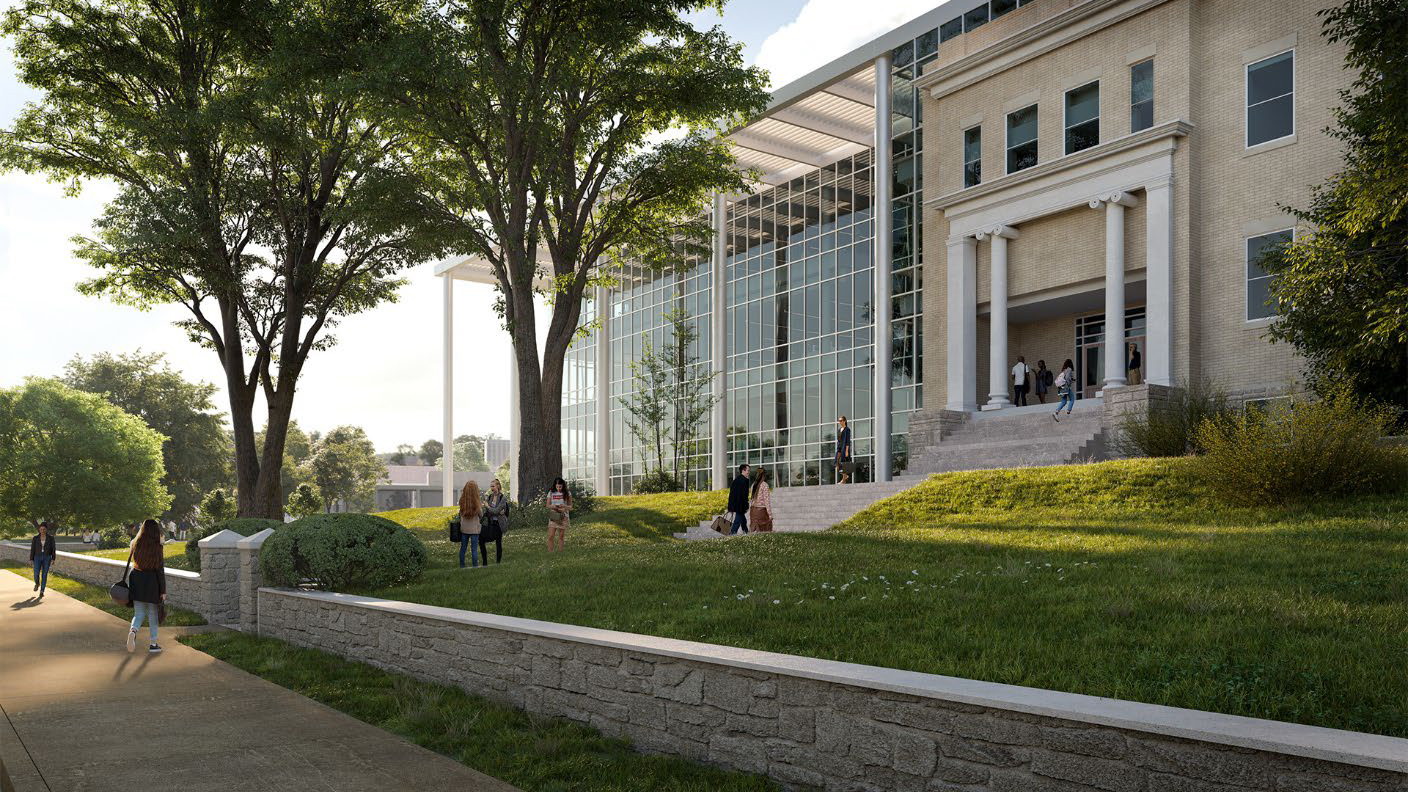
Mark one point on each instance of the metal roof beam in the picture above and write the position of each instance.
(840, 130)
(857, 92)
(768, 145)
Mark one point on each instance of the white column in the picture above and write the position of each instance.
(884, 175)
(1158, 256)
(514, 432)
(717, 346)
(603, 391)
(962, 358)
(447, 487)
(1114, 284)
(997, 335)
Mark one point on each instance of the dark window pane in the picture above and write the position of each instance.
(1083, 104)
(926, 45)
(1270, 120)
(1021, 126)
(904, 54)
(1141, 116)
(975, 18)
(1141, 82)
(972, 144)
(1259, 246)
(1021, 157)
(951, 28)
(1079, 138)
(1258, 291)
(1000, 7)
(972, 173)
(1271, 78)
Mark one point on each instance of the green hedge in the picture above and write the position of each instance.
(342, 551)
(244, 526)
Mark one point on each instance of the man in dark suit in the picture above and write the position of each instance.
(738, 501)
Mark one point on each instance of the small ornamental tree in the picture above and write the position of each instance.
(305, 501)
(217, 507)
(345, 466)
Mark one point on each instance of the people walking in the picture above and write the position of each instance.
(1043, 377)
(1133, 365)
(1066, 389)
(844, 463)
(146, 583)
(41, 554)
(496, 508)
(738, 501)
(470, 509)
(760, 508)
(1020, 375)
(559, 507)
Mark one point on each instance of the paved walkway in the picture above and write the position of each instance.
(79, 714)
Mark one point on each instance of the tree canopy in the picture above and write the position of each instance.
(75, 459)
(345, 467)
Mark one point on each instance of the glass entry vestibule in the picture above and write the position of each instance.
(1090, 348)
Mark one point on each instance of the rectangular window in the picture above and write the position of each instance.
(1271, 98)
(1000, 7)
(1258, 279)
(1021, 139)
(1141, 96)
(1083, 117)
(972, 156)
(975, 18)
(951, 29)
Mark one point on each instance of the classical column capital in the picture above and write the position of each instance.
(1118, 198)
(1004, 231)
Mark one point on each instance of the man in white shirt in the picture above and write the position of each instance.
(1021, 376)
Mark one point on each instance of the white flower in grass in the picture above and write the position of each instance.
(833, 596)
(914, 572)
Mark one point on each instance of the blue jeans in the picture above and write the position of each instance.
(41, 571)
(147, 610)
(471, 542)
(1068, 400)
(740, 521)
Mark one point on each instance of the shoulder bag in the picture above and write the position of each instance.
(119, 591)
(455, 529)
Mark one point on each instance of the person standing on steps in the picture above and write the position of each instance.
(1133, 365)
(843, 451)
(738, 501)
(559, 506)
(146, 583)
(41, 554)
(760, 510)
(470, 509)
(1043, 377)
(1020, 375)
(1066, 388)
(496, 508)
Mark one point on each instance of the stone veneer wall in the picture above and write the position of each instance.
(832, 725)
(183, 589)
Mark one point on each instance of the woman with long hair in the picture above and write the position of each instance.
(496, 507)
(470, 509)
(559, 505)
(843, 451)
(146, 583)
(1066, 389)
(760, 508)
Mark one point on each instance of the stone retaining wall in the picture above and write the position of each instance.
(832, 725)
(183, 589)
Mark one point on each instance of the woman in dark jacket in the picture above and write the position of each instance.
(147, 583)
(41, 555)
(496, 508)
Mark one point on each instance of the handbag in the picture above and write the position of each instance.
(119, 591)
(490, 530)
(455, 536)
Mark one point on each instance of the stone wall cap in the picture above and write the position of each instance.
(118, 563)
(221, 540)
(254, 541)
(1314, 742)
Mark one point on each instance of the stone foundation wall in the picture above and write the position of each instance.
(829, 725)
(183, 589)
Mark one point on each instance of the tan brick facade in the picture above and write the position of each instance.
(1221, 192)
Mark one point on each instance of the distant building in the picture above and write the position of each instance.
(418, 486)
(497, 450)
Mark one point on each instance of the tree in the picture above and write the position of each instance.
(217, 507)
(691, 388)
(196, 455)
(403, 452)
(75, 459)
(540, 121)
(298, 449)
(431, 451)
(345, 467)
(469, 454)
(305, 501)
(648, 409)
(1341, 290)
(258, 189)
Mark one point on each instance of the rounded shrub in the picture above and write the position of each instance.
(342, 551)
(112, 537)
(244, 526)
(655, 482)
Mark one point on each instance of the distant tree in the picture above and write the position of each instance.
(217, 506)
(402, 453)
(304, 501)
(431, 451)
(1341, 288)
(73, 458)
(345, 467)
(196, 455)
(505, 476)
(691, 389)
(648, 409)
(469, 454)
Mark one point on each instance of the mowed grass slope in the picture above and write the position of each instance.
(1121, 579)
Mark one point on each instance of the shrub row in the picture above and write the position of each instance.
(342, 551)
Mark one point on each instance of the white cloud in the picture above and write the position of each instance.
(827, 29)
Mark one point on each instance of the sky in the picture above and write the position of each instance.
(384, 373)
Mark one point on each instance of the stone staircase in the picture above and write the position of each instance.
(817, 508)
(942, 441)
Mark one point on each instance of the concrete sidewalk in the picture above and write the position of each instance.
(78, 713)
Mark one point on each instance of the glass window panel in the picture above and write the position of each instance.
(1083, 136)
(951, 29)
(1270, 120)
(904, 54)
(1082, 104)
(1021, 157)
(1021, 126)
(926, 45)
(972, 156)
(1141, 82)
(976, 18)
(1271, 78)
(1258, 292)
(1000, 7)
(1141, 116)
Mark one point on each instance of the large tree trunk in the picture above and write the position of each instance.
(241, 393)
(269, 491)
(539, 442)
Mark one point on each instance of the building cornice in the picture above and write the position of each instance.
(1031, 42)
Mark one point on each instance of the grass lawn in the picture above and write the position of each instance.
(98, 596)
(174, 552)
(532, 753)
(1119, 579)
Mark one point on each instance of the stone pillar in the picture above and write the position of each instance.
(250, 579)
(997, 358)
(603, 391)
(884, 191)
(1114, 205)
(718, 340)
(962, 361)
(1158, 257)
(220, 575)
(447, 397)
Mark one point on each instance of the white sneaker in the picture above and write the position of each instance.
(131, 640)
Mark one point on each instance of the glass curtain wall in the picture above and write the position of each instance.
(579, 402)
(907, 244)
(799, 320)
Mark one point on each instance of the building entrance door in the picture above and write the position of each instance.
(1090, 348)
